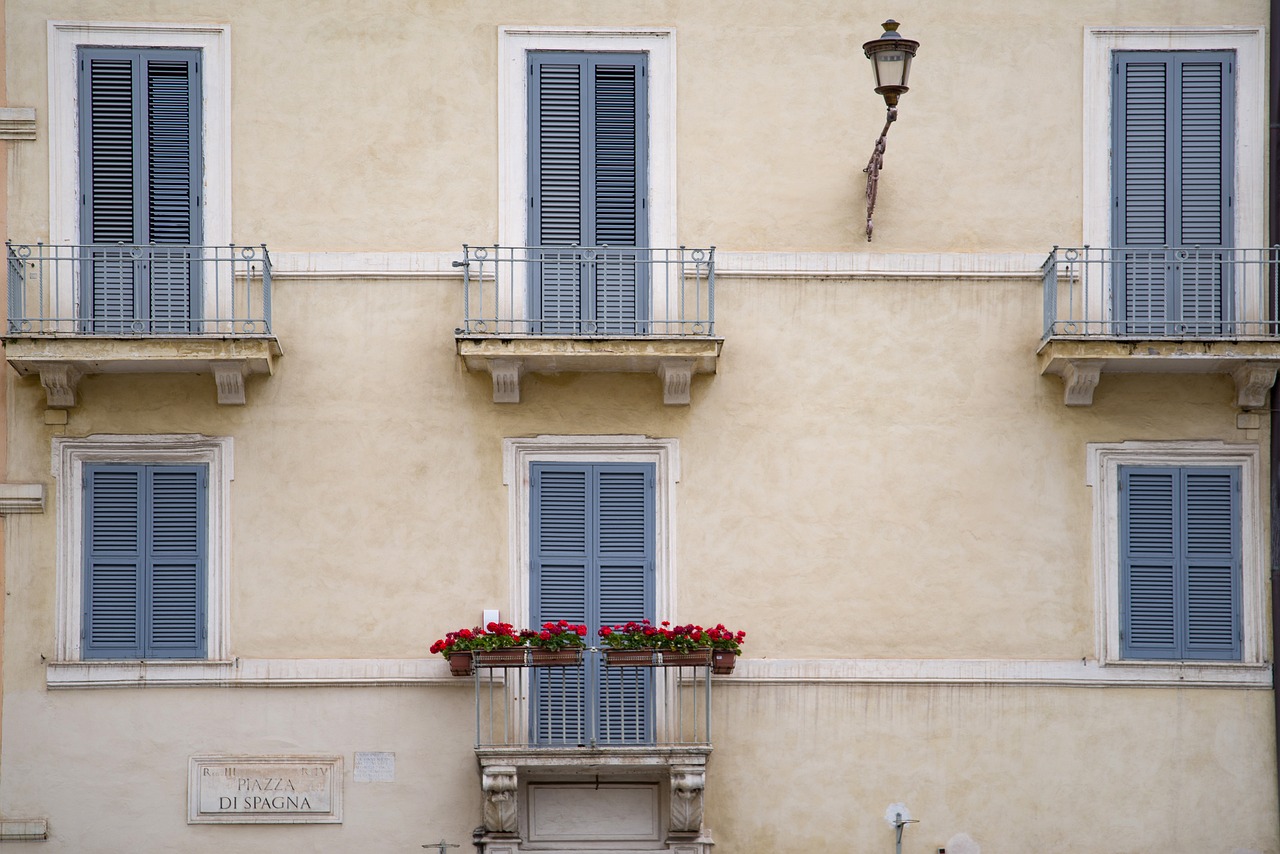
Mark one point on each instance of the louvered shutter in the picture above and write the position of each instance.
(1171, 176)
(145, 562)
(624, 544)
(114, 562)
(175, 604)
(561, 579)
(592, 552)
(140, 186)
(588, 175)
(1180, 563)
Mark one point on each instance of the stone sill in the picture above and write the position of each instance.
(60, 361)
(675, 360)
(1081, 362)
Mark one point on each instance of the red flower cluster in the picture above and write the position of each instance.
(645, 635)
(493, 636)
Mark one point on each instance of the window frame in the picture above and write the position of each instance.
(70, 456)
(1102, 475)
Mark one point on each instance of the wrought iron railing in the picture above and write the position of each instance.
(1162, 292)
(588, 291)
(139, 290)
(590, 703)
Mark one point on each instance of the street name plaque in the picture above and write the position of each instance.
(264, 790)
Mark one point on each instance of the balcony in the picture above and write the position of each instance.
(570, 309)
(593, 757)
(1188, 310)
(145, 309)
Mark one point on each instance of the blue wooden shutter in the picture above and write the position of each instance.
(176, 556)
(140, 185)
(114, 562)
(592, 542)
(1180, 563)
(561, 578)
(145, 561)
(588, 176)
(1173, 125)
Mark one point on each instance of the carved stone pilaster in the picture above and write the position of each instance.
(230, 379)
(687, 784)
(506, 380)
(1080, 379)
(59, 380)
(677, 378)
(499, 784)
(1253, 381)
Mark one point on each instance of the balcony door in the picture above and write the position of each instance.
(140, 186)
(1172, 183)
(588, 185)
(592, 551)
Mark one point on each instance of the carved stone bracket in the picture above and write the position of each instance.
(506, 380)
(60, 380)
(677, 377)
(1080, 379)
(230, 379)
(687, 784)
(1253, 381)
(500, 804)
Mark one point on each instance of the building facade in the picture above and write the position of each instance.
(332, 329)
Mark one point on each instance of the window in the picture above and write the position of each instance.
(143, 547)
(1180, 562)
(1178, 554)
(1173, 116)
(592, 562)
(145, 561)
(139, 116)
(588, 188)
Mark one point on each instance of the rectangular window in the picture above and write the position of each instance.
(592, 555)
(588, 183)
(1180, 562)
(140, 183)
(1172, 179)
(145, 561)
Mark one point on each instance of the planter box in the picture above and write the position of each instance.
(656, 658)
(722, 661)
(559, 658)
(460, 664)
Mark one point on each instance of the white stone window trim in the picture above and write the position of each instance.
(1103, 475)
(514, 46)
(214, 43)
(69, 459)
(518, 457)
(1249, 45)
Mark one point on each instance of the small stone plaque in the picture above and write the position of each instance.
(374, 767)
(264, 790)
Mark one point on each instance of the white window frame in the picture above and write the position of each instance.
(214, 43)
(514, 45)
(1249, 182)
(69, 459)
(1103, 475)
(1249, 45)
(518, 458)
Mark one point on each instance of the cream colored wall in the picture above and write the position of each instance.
(877, 470)
(341, 110)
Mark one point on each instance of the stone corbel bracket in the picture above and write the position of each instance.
(687, 785)
(1253, 381)
(499, 784)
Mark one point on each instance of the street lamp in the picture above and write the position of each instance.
(890, 56)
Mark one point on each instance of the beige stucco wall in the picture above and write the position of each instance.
(876, 471)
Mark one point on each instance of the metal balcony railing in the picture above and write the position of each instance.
(1162, 292)
(139, 290)
(591, 704)
(588, 291)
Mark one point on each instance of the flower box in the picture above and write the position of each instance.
(555, 658)
(460, 664)
(723, 660)
(656, 658)
(511, 656)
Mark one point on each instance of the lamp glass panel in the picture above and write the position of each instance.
(891, 68)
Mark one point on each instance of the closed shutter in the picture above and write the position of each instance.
(140, 186)
(592, 550)
(587, 182)
(1180, 563)
(145, 561)
(1171, 175)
